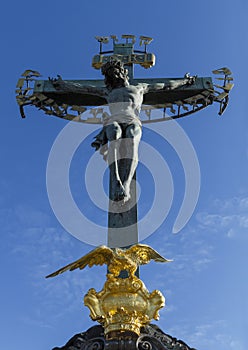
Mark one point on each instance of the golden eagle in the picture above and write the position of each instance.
(116, 259)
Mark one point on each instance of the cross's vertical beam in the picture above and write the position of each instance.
(122, 218)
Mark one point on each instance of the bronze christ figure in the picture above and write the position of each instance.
(120, 136)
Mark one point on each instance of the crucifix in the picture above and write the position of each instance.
(121, 130)
(124, 306)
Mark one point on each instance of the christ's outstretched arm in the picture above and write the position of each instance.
(64, 86)
(171, 85)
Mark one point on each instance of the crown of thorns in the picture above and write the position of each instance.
(112, 65)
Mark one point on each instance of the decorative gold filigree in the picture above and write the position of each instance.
(124, 304)
(169, 110)
(222, 96)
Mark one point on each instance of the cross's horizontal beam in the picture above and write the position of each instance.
(160, 98)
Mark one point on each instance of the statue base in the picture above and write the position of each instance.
(150, 338)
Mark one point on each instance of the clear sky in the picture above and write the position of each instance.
(206, 286)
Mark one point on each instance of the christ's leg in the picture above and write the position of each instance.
(114, 134)
(132, 138)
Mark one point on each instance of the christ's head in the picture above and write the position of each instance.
(115, 74)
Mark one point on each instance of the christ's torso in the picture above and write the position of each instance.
(125, 103)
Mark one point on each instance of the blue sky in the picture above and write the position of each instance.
(206, 285)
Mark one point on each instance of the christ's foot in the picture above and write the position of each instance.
(127, 192)
(120, 193)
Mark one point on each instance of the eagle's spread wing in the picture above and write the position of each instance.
(99, 256)
(142, 254)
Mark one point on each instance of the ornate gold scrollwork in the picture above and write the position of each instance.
(124, 304)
